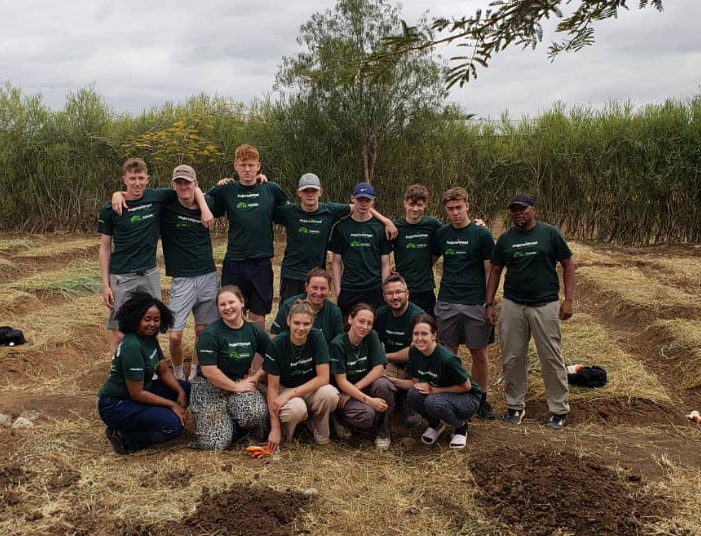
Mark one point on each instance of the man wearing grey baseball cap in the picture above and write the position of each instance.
(530, 251)
(308, 226)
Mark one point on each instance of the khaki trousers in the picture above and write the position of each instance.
(317, 405)
(517, 324)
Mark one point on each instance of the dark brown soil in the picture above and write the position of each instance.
(537, 493)
(64, 478)
(242, 510)
(179, 478)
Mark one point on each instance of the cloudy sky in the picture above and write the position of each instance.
(141, 53)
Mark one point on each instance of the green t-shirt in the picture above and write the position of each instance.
(187, 245)
(250, 212)
(135, 233)
(362, 245)
(530, 258)
(136, 359)
(295, 365)
(307, 236)
(232, 350)
(464, 252)
(356, 361)
(441, 369)
(395, 331)
(413, 252)
(328, 320)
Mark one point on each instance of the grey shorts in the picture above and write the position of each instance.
(122, 284)
(197, 294)
(463, 324)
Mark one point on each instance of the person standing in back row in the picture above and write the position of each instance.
(530, 250)
(249, 207)
(360, 254)
(466, 249)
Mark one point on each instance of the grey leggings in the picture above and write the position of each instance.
(451, 408)
(218, 413)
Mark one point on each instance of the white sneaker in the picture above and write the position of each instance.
(382, 442)
(319, 438)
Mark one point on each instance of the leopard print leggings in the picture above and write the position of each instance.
(221, 416)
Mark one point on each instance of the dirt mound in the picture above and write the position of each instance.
(537, 493)
(242, 510)
(612, 411)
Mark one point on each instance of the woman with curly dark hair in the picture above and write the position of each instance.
(139, 411)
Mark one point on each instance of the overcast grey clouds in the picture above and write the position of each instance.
(142, 53)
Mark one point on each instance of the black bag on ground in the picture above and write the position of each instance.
(588, 377)
(10, 335)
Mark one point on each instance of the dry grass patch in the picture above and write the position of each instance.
(683, 271)
(683, 487)
(60, 249)
(682, 348)
(585, 255)
(77, 279)
(629, 287)
(10, 298)
(586, 341)
(9, 244)
(359, 491)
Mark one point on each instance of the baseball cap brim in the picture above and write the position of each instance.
(189, 179)
(520, 204)
(366, 196)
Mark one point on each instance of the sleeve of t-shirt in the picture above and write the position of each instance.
(499, 255)
(454, 372)
(335, 322)
(280, 322)
(562, 250)
(487, 244)
(321, 349)
(280, 213)
(270, 360)
(218, 209)
(385, 245)
(262, 339)
(436, 249)
(133, 361)
(338, 358)
(219, 192)
(410, 367)
(336, 242)
(207, 348)
(164, 195)
(104, 222)
(377, 353)
(279, 194)
(338, 210)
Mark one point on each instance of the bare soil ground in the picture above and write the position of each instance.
(627, 463)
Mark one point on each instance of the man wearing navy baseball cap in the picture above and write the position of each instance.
(360, 254)
(530, 250)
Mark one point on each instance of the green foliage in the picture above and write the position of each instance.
(506, 23)
(625, 174)
(366, 112)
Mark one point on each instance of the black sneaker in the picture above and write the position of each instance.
(487, 413)
(557, 422)
(117, 442)
(412, 419)
(515, 416)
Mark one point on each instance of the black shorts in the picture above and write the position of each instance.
(255, 279)
(347, 299)
(290, 287)
(426, 300)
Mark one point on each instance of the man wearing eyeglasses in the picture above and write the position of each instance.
(393, 325)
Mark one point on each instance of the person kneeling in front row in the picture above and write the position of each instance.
(443, 391)
(358, 364)
(225, 398)
(139, 411)
(297, 364)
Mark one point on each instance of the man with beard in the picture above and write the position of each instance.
(530, 251)
(393, 325)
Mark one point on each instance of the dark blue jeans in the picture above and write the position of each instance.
(142, 425)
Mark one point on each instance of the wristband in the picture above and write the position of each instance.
(489, 304)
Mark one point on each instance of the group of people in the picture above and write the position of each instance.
(386, 345)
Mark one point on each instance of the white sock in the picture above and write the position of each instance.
(178, 371)
(193, 372)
